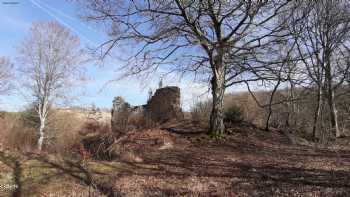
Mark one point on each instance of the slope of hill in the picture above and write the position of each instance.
(180, 160)
(83, 114)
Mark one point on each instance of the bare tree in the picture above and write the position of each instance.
(5, 75)
(322, 31)
(218, 38)
(51, 60)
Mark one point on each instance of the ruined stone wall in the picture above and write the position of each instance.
(163, 106)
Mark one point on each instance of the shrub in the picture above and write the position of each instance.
(70, 143)
(233, 114)
(21, 138)
(94, 127)
(200, 112)
(29, 117)
(15, 134)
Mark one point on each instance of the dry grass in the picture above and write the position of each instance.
(65, 130)
(15, 134)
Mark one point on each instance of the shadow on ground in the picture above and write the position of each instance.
(14, 187)
(239, 166)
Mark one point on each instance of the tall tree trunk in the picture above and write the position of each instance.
(331, 101)
(290, 105)
(292, 116)
(333, 113)
(267, 124)
(217, 126)
(41, 134)
(317, 112)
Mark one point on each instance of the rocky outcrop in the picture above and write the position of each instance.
(163, 106)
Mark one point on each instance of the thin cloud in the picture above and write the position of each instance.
(50, 13)
(71, 18)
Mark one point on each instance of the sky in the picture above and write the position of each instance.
(16, 17)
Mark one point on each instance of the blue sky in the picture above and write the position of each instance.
(15, 21)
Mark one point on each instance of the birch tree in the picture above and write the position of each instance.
(6, 75)
(51, 60)
(217, 38)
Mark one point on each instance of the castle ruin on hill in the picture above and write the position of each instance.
(163, 106)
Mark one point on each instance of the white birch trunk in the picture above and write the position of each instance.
(41, 135)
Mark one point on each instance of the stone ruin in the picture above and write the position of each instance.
(163, 106)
